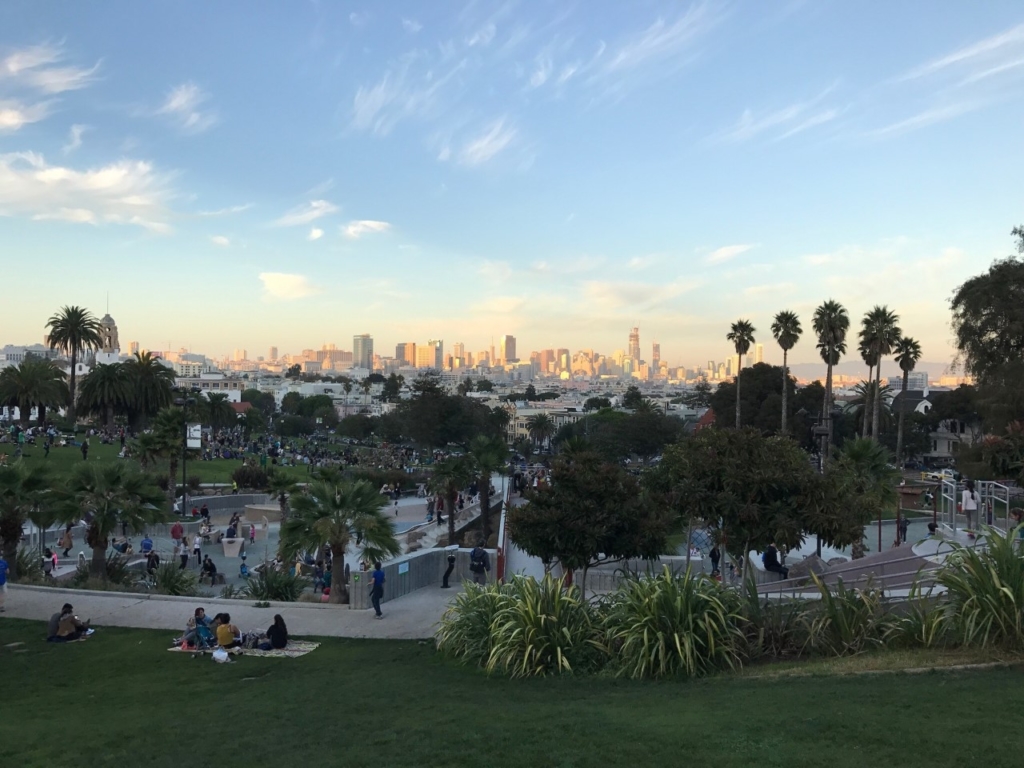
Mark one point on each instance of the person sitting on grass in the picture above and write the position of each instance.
(228, 635)
(65, 627)
(276, 637)
(197, 620)
(209, 569)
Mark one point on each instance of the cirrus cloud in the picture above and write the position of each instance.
(283, 286)
(304, 214)
(728, 252)
(356, 229)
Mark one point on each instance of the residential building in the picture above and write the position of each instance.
(916, 380)
(213, 382)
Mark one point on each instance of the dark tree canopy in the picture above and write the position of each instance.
(988, 319)
(760, 395)
(632, 398)
(618, 435)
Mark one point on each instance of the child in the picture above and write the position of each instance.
(252, 533)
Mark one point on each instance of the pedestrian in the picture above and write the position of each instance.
(85, 449)
(67, 541)
(252, 533)
(234, 488)
(177, 531)
(716, 558)
(479, 563)
(197, 549)
(430, 509)
(204, 512)
(3, 582)
(182, 552)
(377, 589)
(969, 503)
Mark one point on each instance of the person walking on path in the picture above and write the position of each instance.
(479, 563)
(3, 582)
(377, 589)
(67, 541)
(969, 503)
(182, 551)
(197, 549)
(177, 531)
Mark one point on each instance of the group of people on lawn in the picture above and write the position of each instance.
(219, 631)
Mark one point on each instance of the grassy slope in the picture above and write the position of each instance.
(120, 698)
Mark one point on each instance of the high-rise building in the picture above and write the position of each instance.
(362, 351)
(655, 355)
(758, 353)
(562, 361)
(406, 352)
(546, 360)
(508, 349)
(241, 354)
(634, 343)
(273, 354)
(430, 355)
(133, 347)
(458, 350)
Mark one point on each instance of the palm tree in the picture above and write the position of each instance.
(35, 383)
(863, 403)
(152, 385)
(489, 455)
(741, 334)
(786, 329)
(330, 513)
(109, 495)
(881, 333)
(168, 434)
(831, 322)
(283, 487)
(23, 491)
(73, 330)
(105, 391)
(541, 427)
(449, 478)
(908, 353)
(867, 354)
(218, 410)
(869, 481)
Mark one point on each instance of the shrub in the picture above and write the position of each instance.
(118, 574)
(465, 629)
(672, 625)
(251, 477)
(773, 629)
(163, 481)
(268, 584)
(195, 483)
(29, 565)
(846, 620)
(541, 628)
(924, 622)
(230, 592)
(985, 588)
(172, 580)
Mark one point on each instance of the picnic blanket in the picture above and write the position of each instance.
(295, 649)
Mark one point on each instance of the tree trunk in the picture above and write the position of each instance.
(827, 412)
(485, 507)
(71, 392)
(453, 497)
(785, 387)
(876, 401)
(172, 473)
(98, 567)
(339, 589)
(738, 372)
(867, 404)
(40, 415)
(899, 429)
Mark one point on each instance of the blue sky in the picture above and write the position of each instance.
(289, 174)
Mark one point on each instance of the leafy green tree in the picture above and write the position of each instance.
(699, 396)
(489, 456)
(24, 491)
(152, 386)
(865, 478)
(290, 403)
(531, 393)
(217, 410)
(591, 512)
(282, 487)
(597, 403)
(450, 478)
(786, 329)
(254, 422)
(74, 331)
(541, 427)
(879, 333)
(483, 385)
(392, 388)
(262, 400)
(35, 383)
(761, 397)
(168, 435)
(741, 334)
(332, 513)
(831, 323)
(862, 404)
(632, 398)
(908, 353)
(106, 391)
(294, 371)
(358, 426)
(465, 386)
(109, 495)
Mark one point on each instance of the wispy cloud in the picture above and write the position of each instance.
(926, 118)
(182, 105)
(283, 286)
(315, 234)
(124, 192)
(639, 295)
(356, 229)
(986, 52)
(728, 252)
(495, 271)
(487, 145)
(782, 123)
(404, 92)
(663, 40)
(14, 115)
(304, 214)
(411, 25)
(227, 211)
(220, 240)
(35, 66)
(772, 288)
(74, 138)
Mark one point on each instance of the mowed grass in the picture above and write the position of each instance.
(121, 699)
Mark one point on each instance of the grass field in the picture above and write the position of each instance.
(120, 698)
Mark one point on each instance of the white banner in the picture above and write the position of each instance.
(194, 436)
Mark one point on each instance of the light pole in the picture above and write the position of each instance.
(184, 403)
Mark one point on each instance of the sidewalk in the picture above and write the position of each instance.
(411, 617)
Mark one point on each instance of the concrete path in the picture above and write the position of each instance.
(412, 617)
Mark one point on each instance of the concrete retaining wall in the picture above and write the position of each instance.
(421, 570)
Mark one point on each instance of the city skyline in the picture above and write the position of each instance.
(557, 174)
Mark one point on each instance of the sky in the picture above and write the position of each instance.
(249, 174)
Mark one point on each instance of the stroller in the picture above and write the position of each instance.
(202, 640)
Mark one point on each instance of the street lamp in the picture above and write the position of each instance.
(184, 403)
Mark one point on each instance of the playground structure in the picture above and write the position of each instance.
(994, 506)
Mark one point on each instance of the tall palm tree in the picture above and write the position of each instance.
(540, 427)
(35, 383)
(168, 434)
(868, 482)
(863, 403)
(908, 353)
(867, 354)
(73, 330)
(449, 478)
(109, 495)
(831, 323)
(881, 333)
(152, 385)
(786, 329)
(23, 490)
(741, 334)
(489, 455)
(331, 513)
(282, 487)
(218, 410)
(105, 391)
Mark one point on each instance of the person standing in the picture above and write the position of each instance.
(177, 531)
(67, 541)
(85, 449)
(377, 589)
(479, 563)
(716, 558)
(969, 503)
(252, 533)
(3, 582)
(197, 549)
(181, 550)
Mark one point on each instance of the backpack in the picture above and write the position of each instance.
(476, 560)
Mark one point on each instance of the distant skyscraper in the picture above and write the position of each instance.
(437, 345)
(459, 350)
(634, 344)
(655, 356)
(508, 349)
(406, 352)
(133, 347)
(273, 354)
(241, 354)
(362, 351)
(562, 361)
(430, 355)
(758, 353)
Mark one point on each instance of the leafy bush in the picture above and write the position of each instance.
(672, 625)
(117, 574)
(195, 482)
(925, 622)
(846, 620)
(985, 588)
(465, 629)
(29, 565)
(251, 477)
(268, 584)
(230, 592)
(540, 628)
(172, 580)
(773, 629)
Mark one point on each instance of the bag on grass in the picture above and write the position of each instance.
(220, 656)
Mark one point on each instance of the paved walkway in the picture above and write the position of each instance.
(412, 617)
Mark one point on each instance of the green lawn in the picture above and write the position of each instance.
(121, 699)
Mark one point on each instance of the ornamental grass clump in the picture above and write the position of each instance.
(465, 629)
(985, 588)
(172, 580)
(670, 625)
(541, 628)
(846, 620)
(268, 584)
